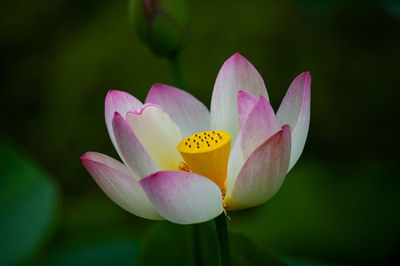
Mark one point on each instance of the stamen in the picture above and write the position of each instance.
(183, 167)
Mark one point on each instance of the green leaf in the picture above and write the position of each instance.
(116, 252)
(317, 216)
(171, 244)
(245, 252)
(28, 203)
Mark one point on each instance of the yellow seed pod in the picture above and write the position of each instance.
(207, 153)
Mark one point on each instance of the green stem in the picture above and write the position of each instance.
(223, 240)
(196, 245)
(177, 71)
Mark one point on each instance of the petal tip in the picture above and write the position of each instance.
(88, 156)
(307, 78)
(159, 85)
(84, 156)
(116, 114)
(111, 93)
(155, 86)
(236, 57)
(286, 131)
(262, 99)
(117, 117)
(286, 127)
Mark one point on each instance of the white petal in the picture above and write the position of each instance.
(295, 111)
(183, 197)
(132, 151)
(121, 102)
(158, 134)
(263, 173)
(112, 177)
(189, 114)
(259, 126)
(246, 103)
(236, 74)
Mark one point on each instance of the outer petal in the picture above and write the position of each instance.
(263, 173)
(121, 102)
(132, 152)
(236, 74)
(246, 103)
(158, 134)
(183, 197)
(189, 114)
(112, 177)
(259, 126)
(295, 111)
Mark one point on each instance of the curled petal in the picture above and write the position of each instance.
(183, 197)
(132, 151)
(259, 126)
(262, 174)
(113, 178)
(295, 111)
(121, 102)
(236, 74)
(158, 134)
(189, 114)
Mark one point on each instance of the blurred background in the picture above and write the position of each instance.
(339, 204)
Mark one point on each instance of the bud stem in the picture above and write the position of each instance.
(176, 67)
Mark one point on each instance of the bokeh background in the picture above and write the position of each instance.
(339, 204)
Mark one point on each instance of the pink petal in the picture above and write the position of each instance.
(132, 152)
(263, 173)
(295, 111)
(112, 177)
(189, 114)
(260, 125)
(158, 134)
(183, 197)
(246, 103)
(121, 102)
(236, 74)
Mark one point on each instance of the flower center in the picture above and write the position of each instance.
(207, 153)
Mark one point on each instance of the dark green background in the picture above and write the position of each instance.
(339, 204)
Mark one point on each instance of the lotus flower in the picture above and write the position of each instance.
(178, 163)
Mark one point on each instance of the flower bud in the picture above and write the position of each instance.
(161, 24)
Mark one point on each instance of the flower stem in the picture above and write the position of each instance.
(223, 240)
(198, 261)
(176, 68)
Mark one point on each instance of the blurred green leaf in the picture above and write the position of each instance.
(28, 203)
(171, 244)
(334, 215)
(116, 252)
(245, 252)
(392, 6)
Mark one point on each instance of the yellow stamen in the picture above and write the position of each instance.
(207, 153)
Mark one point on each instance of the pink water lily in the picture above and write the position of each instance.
(185, 164)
